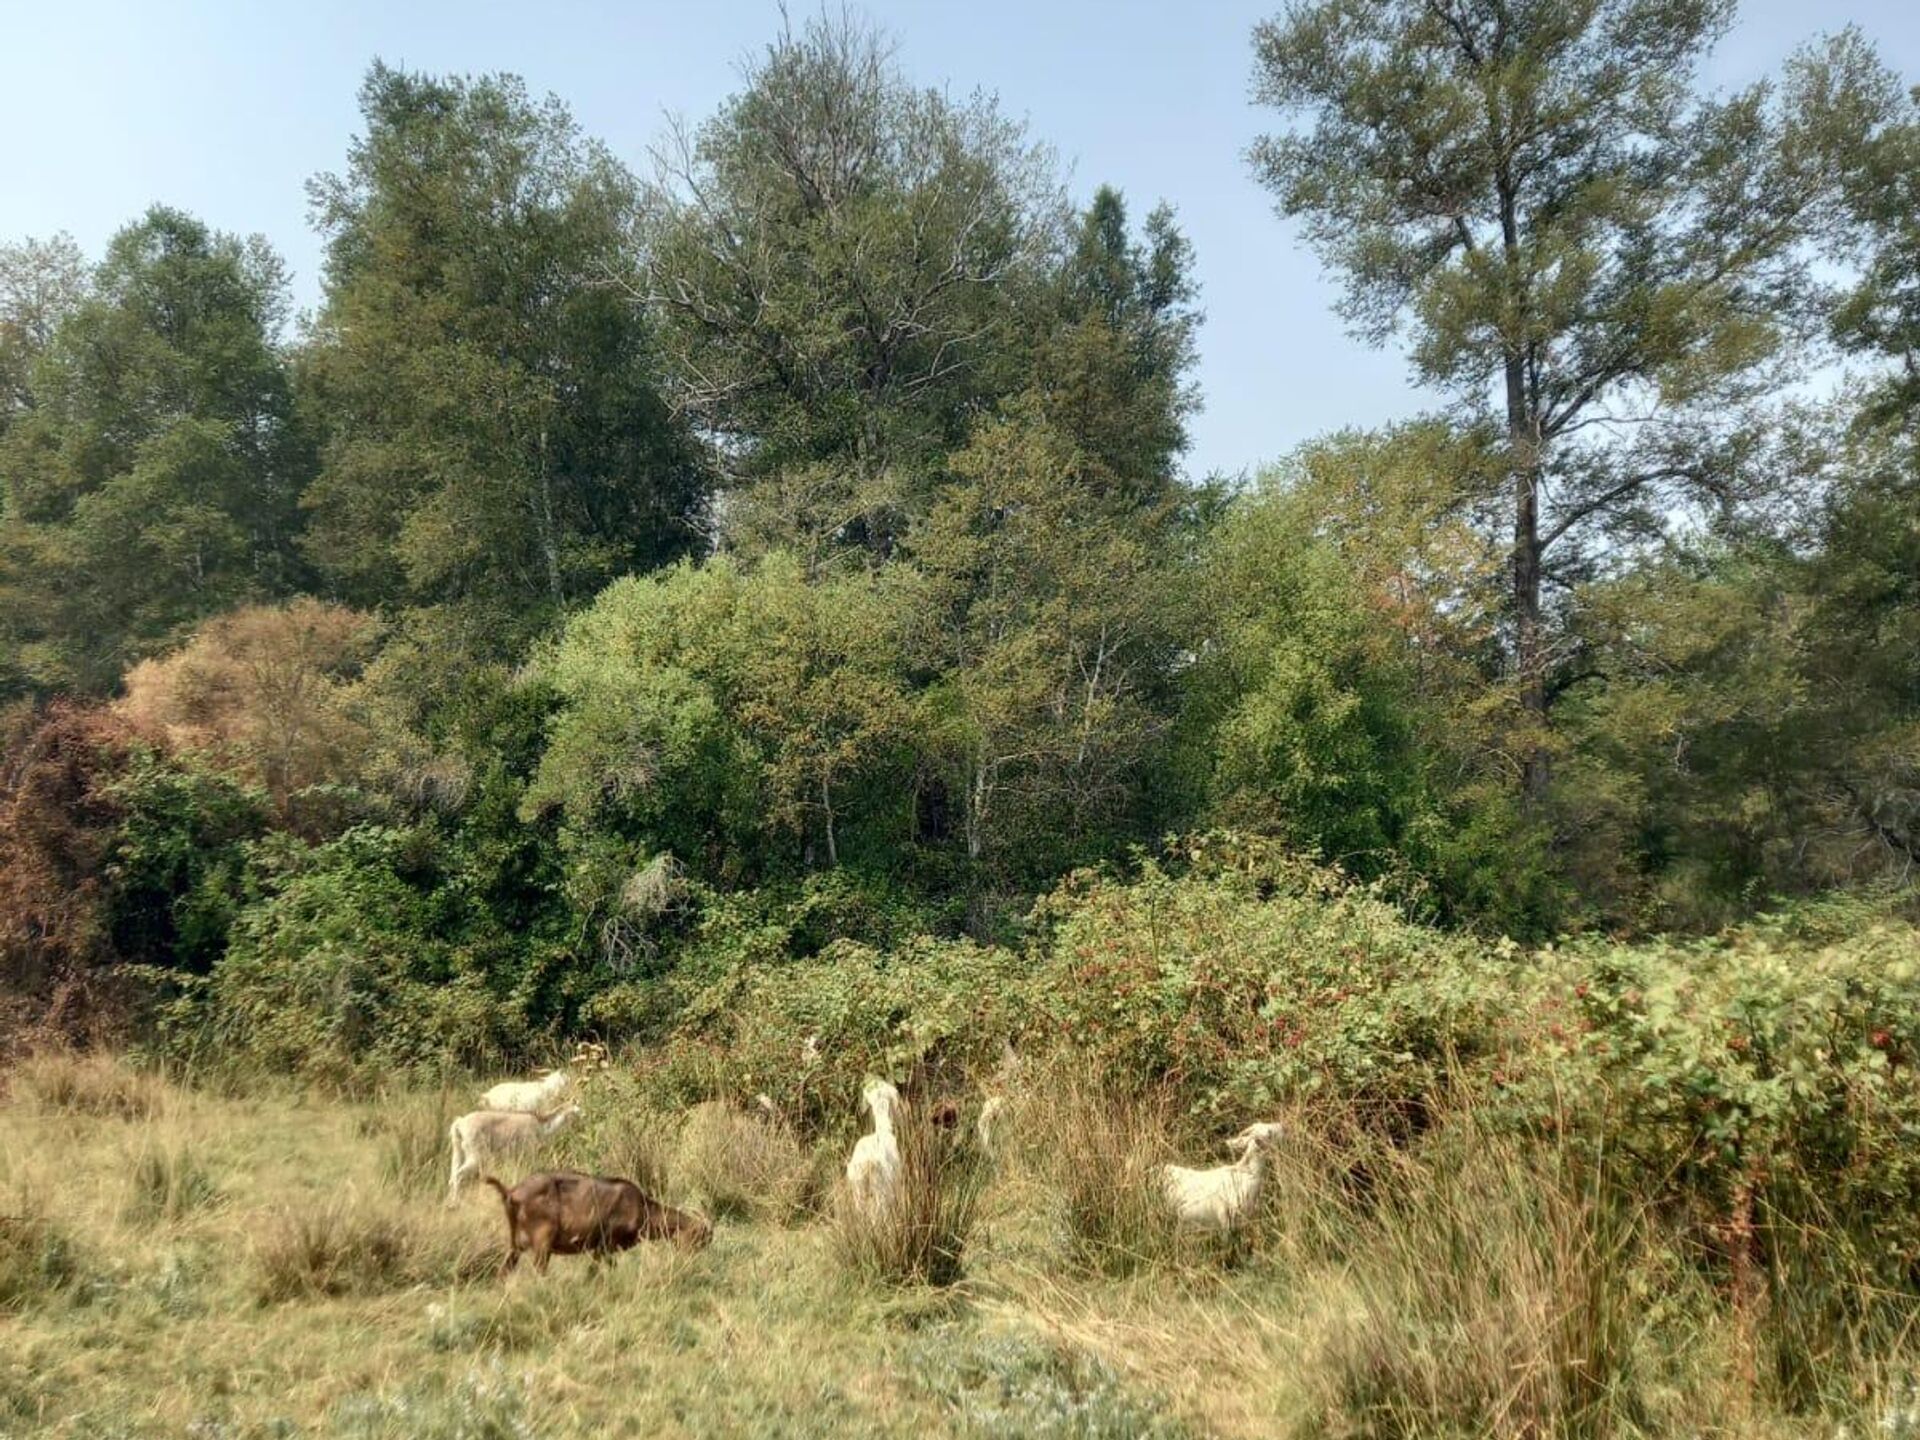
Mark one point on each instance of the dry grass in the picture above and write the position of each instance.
(410, 1131)
(89, 1084)
(254, 1265)
(1491, 1290)
(741, 1166)
(166, 1181)
(921, 1236)
(352, 1245)
(40, 1259)
(1101, 1168)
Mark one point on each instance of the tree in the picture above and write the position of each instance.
(834, 257)
(1346, 693)
(1583, 250)
(741, 719)
(1113, 372)
(266, 688)
(41, 282)
(1047, 620)
(154, 479)
(1880, 188)
(493, 438)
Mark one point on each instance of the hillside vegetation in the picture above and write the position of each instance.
(750, 626)
(1602, 1189)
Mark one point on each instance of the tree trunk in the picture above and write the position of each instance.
(1524, 444)
(549, 541)
(1529, 639)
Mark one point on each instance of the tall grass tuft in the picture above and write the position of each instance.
(166, 1182)
(619, 1132)
(39, 1258)
(93, 1084)
(1490, 1289)
(1101, 1165)
(737, 1165)
(344, 1246)
(1836, 1307)
(410, 1129)
(921, 1237)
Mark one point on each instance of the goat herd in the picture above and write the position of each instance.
(566, 1212)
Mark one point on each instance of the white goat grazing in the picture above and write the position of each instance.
(482, 1136)
(532, 1096)
(873, 1171)
(1223, 1197)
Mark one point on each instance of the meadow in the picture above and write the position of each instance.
(224, 1260)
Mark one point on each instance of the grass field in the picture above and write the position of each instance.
(180, 1262)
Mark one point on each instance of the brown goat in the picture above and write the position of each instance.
(562, 1212)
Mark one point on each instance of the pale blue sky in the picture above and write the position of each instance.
(226, 108)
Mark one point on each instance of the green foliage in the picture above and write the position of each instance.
(739, 719)
(358, 954)
(1043, 593)
(41, 283)
(176, 862)
(872, 1012)
(154, 480)
(1254, 977)
(1310, 696)
(1751, 1067)
(493, 439)
(1349, 698)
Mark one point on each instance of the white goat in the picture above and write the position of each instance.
(482, 1136)
(986, 1130)
(532, 1096)
(873, 1171)
(1221, 1198)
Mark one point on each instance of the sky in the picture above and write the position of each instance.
(225, 109)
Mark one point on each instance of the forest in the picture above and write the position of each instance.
(760, 592)
(798, 538)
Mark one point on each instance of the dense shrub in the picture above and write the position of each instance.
(927, 1003)
(1251, 977)
(1759, 1089)
(361, 954)
(176, 864)
(58, 818)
